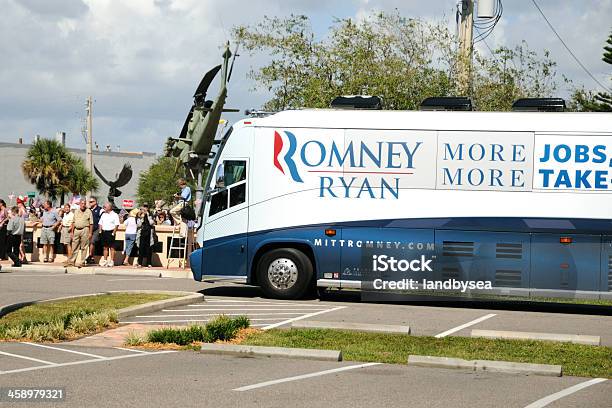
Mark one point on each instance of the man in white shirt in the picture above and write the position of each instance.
(109, 222)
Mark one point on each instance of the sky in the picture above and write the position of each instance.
(142, 59)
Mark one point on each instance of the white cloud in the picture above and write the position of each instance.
(141, 59)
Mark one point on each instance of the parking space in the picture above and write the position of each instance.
(20, 357)
(263, 313)
(188, 379)
(548, 323)
(440, 321)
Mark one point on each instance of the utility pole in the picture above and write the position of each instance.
(466, 46)
(89, 152)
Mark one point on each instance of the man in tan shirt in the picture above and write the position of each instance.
(80, 232)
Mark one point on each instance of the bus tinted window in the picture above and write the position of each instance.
(234, 171)
(218, 202)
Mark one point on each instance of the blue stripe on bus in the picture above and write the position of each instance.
(224, 257)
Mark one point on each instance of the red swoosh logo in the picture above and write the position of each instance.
(278, 146)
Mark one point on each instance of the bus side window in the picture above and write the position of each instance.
(231, 178)
(218, 202)
(235, 179)
(234, 171)
(238, 194)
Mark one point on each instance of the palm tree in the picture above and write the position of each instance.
(46, 166)
(55, 171)
(80, 180)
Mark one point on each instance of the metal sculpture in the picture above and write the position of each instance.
(194, 144)
(121, 179)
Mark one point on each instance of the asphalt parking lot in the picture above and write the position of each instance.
(118, 378)
(94, 376)
(263, 313)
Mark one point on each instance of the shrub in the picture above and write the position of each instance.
(225, 328)
(77, 324)
(182, 337)
(101, 319)
(220, 328)
(15, 332)
(57, 329)
(113, 316)
(133, 339)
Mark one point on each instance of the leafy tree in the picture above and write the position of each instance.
(583, 100)
(159, 181)
(400, 59)
(511, 73)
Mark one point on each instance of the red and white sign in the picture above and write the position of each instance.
(128, 203)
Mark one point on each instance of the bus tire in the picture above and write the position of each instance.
(284, 273)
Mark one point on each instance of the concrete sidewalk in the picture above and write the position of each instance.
(115, 337)
(57, 267)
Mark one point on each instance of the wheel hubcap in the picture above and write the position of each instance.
(282, 273)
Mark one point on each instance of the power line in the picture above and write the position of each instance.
(568, 49)
(488, 24)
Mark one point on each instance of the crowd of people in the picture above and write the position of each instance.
(81, 226)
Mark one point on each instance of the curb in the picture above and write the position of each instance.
(184, 274)
(14, 306)
(126, 272)
(565, 338)
(486, 365)
(98, 270)
(240, 350)
(158, 305)
(33, 268)
(375, 328)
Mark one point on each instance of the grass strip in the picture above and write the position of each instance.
(576, 359)
(69, 318)
(65, 309)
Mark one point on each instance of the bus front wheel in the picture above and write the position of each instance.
(284, 273)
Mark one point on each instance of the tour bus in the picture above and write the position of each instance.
(340, 198)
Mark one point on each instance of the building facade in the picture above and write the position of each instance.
(110, 163)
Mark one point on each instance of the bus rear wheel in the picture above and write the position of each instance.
(284, 273)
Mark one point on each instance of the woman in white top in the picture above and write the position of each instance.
(130, 235)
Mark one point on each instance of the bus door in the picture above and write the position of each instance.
(226, 221)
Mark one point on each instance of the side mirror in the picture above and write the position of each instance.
(220, 177)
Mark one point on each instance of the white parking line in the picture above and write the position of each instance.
(62, 349)
(463, 326)
(306, 316)
(226, 314)
(564, 393)
(245, 308)
(72, 363)
(183, 321)
(25, 358)
(243, 304)
(133, 350)
(134, 279)
(189, 320)
(303, 376)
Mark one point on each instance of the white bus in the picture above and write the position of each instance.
(307, 198)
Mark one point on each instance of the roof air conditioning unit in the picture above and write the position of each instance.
(447, 103)
(357, 102)
(539, 105)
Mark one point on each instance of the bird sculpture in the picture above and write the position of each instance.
(121, 179)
